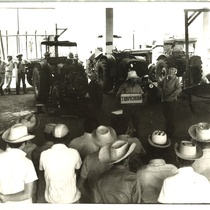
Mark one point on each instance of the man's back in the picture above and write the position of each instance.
(117, 185)
(16, 171)
(151, 177)
(59, 164)
(186, 186)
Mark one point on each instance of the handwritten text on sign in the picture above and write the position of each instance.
(131, 98)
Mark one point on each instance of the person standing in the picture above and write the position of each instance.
(20, 66)
(18, 176)
(169, 88)
(186, 186)
(8, 75)
(130, 111)
(2, 75)
(59, 164)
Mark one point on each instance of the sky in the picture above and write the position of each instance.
(146, 21)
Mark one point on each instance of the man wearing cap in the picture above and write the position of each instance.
(84, 144)
(18, 176)
(169, 88)
(186, 186)
(202, 165)
(20, 66)
(118, 185)
(2, 75)
(150, 177)
(131, 111)
(59, 164)
(8, 75)
(92, 168)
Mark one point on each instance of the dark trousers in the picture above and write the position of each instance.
(131, 113)
(21, 76)
(168, 114)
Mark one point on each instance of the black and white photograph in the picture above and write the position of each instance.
(104, 102)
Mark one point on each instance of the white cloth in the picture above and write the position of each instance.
(202, 165)
(16, 171)
(59, 164)
(186, 186)
(84, 145)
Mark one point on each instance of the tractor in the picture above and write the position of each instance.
(61, 79)
(110, 70)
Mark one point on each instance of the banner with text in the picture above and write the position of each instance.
(131, 98)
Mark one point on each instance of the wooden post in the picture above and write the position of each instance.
(26, 46)
(7, 42)
(2, 46)
(36, 45)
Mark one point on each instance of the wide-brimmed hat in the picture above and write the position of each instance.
(60, 131)
(200, 132)
(187, 150)
(103, 135)
(159, 139)
(19, 55)
(132, 75)
(32, 121)
(16, 134)
(115, 151)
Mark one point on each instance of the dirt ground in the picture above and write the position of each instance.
(13, 105)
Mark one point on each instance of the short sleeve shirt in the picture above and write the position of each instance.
(59, 164)
(16, 171)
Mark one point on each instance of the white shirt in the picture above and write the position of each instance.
(202, 165)
(186, 186)
(16, 171)
(59, 164)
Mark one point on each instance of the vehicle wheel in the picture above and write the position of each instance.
(103, 75)
(152, 73)
(41, 83)
(96, 94)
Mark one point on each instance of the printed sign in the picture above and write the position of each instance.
(131, 98)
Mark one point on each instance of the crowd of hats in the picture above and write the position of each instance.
(112, 148)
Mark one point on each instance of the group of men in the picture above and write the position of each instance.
(6, 73)
(100, 166)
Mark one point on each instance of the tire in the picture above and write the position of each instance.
(41, 83)
(152, 73)
(96, 94)
(102, 69)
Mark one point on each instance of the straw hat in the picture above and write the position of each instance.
(32, 121)
(116, 151)
(103, 135)
(187, 150)
(132, 75)
(60, 131)
(98, 52)
(200, 132)
(16, 134)
(159, 139)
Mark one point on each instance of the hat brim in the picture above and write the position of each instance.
(167, 144)
(22, 139)
(132, 78)
(105, 150)
(100, 143)
(192, 133)
(198, 155)
(30, 130)
(19, 55)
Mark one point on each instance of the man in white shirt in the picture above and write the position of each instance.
(59, 164)
(18, 176)
(186, 186)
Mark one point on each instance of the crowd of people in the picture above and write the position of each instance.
(101, 166)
